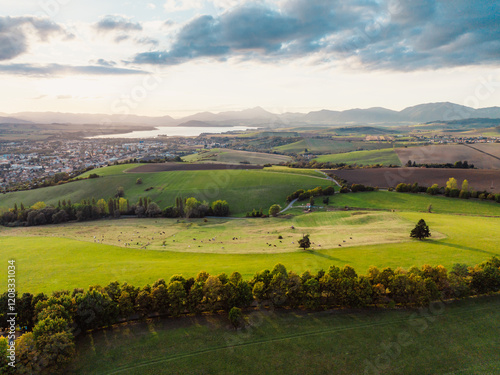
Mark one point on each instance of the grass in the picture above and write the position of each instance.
(225, 236)
(235, 157)
(321, 145)
(454, 338)
(302, 171)
(260, 188)
(415, 202)
(384, 157)
(48, 261)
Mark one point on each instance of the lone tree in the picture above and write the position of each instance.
(274, 210)
(305, 242)
(421, 230)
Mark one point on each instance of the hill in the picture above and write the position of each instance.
(224, 155)
(336, 146)
(384, 156)
(421, 113)
(243, 190)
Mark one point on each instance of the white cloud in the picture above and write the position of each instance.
(151, 6)
(179, 5)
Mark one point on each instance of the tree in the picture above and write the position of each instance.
(305, 242)
(138, 181)
(120, 192)
(421, 230)
(153, 210)
(465, 186)
(220, 208)
(191, 207)
(236, 317)
(177, 297)
(102, 206)
(274, 210)
(326, 200)
(39, 205)
(311, 201)
(452, 184)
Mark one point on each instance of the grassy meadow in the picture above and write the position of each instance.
(64, 257)
(385, 157)
(236, 156)
(321, 145)
(259, 188)
(456, 338)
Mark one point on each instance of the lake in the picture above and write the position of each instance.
(173, 131)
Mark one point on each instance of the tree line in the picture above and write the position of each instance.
(450, 190)
(52, 322)
(92, 209)
(457, 165)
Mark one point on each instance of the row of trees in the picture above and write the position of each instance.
(450, 190)
(55, 319)
(302, 194)
(314, 164)
(92, 209)
(458, 165)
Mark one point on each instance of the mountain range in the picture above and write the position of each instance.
(422, 113)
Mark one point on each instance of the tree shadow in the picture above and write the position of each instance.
(322, 255)
(461, 247)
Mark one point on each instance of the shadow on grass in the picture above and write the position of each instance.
(322, 255)
(461, 247)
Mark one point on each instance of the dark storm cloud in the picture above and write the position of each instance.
(57, 69)
(14, 34)
(117, 23)
(391, 34)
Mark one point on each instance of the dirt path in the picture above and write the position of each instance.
(328, 177)
(289, 206)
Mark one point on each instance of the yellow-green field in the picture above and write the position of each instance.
(222, 155)
(52, 258)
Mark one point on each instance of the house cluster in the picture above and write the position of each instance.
(26, 161)
(463, 139)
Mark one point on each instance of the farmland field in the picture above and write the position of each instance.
(453, 153)
(236, 156)
(479, 179)
(384, 157)
(167, 167)
(66, 256)
(321, 145)
(456, 338)
(261, 188)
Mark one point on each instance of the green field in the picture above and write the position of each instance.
(456, 338)
(321, 145)
(303, 171)
(384, 157)
(415, 202)
(235, 157)
(59, 257)
(259, 188)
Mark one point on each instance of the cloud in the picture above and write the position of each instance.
(15, 31)
(103, 62)
(117, 23)
(51, 70)
(147, 41)
(394, 35)
(181, 5)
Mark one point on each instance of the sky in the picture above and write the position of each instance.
(174, 57)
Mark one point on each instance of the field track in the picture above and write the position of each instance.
(166, 167)
(479, 179)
